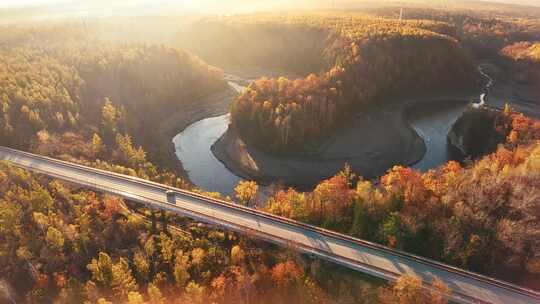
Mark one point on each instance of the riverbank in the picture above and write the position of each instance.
(371, 144)
(432, 121)
(392, 136)
(207, 106)
(522, 96)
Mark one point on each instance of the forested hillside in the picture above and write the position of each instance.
(481, 216)
(525, 50)
(63, 244)
(83, 96)
(38, 92)
(294, 47)
(366, 61)
(523, 59)
(484, 30)
(149, 83)
(79, 87)
(479, 131)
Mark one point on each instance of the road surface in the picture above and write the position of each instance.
(353, 253)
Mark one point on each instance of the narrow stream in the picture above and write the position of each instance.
(193, 146)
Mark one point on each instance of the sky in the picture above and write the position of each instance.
(185, 3)
(208, 6)
(177, 5)
(16, 3)
(180, 3)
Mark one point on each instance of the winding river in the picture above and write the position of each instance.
(193, 149)
(432, 121)
(203, 168)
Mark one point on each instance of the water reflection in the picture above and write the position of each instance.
(203, 168)
(432, 122)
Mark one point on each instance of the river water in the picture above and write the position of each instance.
(203, 168)
(193, 149)
(432, 121)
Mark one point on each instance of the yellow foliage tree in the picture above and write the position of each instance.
(246, 192)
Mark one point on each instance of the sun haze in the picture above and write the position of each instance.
(269, 151)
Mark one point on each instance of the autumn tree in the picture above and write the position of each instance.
(155, 295)
(246, 192)
(237, 255)
(97, 145)
(123, 282)
(287, 274)
(194, 293)
(102, 269)
(181, 265)
(410, 289)
(55, 239)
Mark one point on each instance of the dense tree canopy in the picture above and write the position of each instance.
(60, 243)
(524, 61)
(485, 30)
(524, 50)
(38, 92)
(95, 103)
(480, 130)
(369, 60)
(483, 216)
(66, 245)
(76, 86)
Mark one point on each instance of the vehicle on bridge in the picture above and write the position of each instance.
(171, 196)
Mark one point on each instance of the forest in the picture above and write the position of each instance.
(523, 60)
(482, 215)
(63, 244)
(368, 60)
(62, 85)
(524, 50)
(483, 33)
(96, 101)
(60, 243)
